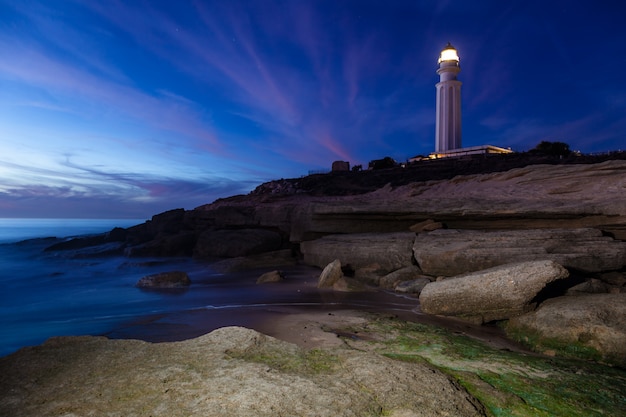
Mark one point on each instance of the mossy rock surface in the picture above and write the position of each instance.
(506, 382)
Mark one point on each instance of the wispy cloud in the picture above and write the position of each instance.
(136, 101)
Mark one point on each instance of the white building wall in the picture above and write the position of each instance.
(448, 115)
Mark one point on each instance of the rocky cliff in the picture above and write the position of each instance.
(414, 230)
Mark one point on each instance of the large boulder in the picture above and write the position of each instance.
(376, 253)
(493, 294)
(230, 372)
(172, 279)
(565, 324)
(237, 242)
(452, 252)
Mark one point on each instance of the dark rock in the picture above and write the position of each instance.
(236, 242)
(392, 279)
(272, 276)
(173, 279)
(590, 286)
(167, 222)
(412, 287)
(345, 284)
(617, 279)
(282, 257)
(426, 226)
(180, 244)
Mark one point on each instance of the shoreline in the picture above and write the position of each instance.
(308, 326)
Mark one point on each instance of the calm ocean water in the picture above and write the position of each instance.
(47, 294)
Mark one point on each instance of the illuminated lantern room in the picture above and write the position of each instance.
(449, 54)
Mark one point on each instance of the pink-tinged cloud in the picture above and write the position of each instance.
(335, 146)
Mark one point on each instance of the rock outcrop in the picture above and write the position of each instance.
(493, 294)
(369, 255)
(530, 197)
(229, 372)
(592, 321)
(572, 214)
(234, 243)
(453, 252)
(172, 279)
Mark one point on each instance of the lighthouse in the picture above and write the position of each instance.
(448, 123)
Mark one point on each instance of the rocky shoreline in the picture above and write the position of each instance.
(539, 249)
(411, 236)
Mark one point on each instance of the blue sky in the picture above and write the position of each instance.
(128, 108)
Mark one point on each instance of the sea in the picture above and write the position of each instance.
(56, 293)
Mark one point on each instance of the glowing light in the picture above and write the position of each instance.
(448, 54)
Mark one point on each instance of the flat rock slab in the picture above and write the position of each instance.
(378, 252)
(453, 252)
(597, 321)
(493, 294)
(231, 371)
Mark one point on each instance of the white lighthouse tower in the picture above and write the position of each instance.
(448, 125)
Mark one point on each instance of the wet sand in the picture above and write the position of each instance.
(296, 311)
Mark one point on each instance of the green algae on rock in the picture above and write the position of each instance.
(506, 382)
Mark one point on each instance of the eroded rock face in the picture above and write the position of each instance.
(234, 243)
(493, 294)
(596, 321)
(453, 252)
(376, 253)
(231, 372)
(172, 279)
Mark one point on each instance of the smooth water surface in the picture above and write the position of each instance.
(47, 294)
(15, 230)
